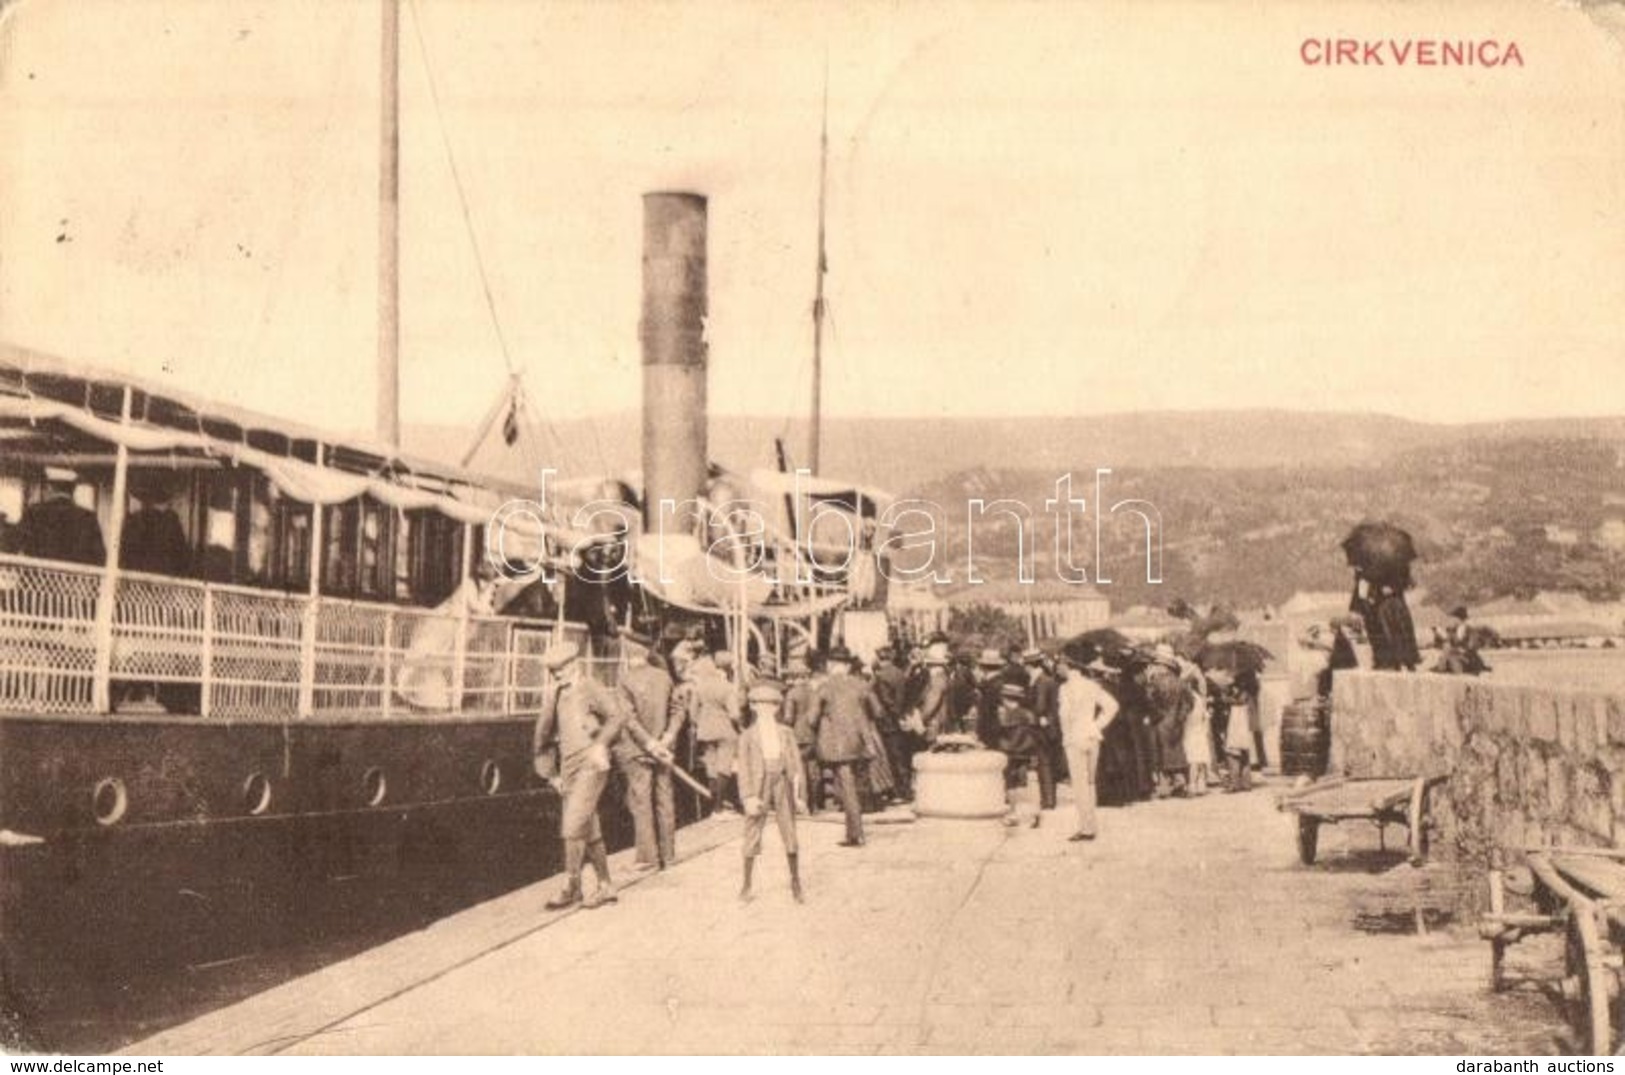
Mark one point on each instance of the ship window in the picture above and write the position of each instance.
(340, 527)
(290, 545)
(358, 539)
(406, 526)
(11, 511)
(435, 552)
(375, 547)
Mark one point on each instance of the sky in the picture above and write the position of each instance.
(1039, 208)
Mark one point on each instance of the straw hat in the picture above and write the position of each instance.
(559, 654)
(765, 692)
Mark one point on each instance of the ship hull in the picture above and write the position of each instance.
(367, 826)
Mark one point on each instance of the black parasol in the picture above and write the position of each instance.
(1189, 643)
(1106, 643)
(1382, 551)
(1235, 657)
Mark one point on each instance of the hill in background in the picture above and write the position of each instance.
(900, 454)
(1253, 503)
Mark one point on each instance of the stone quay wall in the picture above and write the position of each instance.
(1526, 765)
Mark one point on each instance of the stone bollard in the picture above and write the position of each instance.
(958, 778)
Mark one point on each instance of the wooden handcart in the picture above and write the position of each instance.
(1381, 800)
(1581, 892)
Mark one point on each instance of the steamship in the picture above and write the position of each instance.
(321, 699)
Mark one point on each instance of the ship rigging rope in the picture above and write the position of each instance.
(462, 199)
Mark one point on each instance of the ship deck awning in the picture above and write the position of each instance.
(49, 411)
(28, 373)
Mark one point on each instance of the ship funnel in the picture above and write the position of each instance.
(672, 330)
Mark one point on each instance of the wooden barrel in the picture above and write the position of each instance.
(1306, 738)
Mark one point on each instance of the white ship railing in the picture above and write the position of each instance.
(238, 653)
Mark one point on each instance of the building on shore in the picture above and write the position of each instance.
(1049, 608)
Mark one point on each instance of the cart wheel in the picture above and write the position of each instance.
(1308, 839)
(1592, 992)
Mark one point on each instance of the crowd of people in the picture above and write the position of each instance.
(825, 730)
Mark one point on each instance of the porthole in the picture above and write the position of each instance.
(490, 777)
(257, 793)
(374, 787)
(110, 801)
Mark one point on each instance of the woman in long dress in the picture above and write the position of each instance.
(1198, 733)
(1119, 782)
(424, 681)
(1167, 698)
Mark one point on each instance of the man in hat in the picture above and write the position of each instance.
(964, 692)
(1085, 709)
(711, 704)
(1020, 740)
(56, 528)
(989, 684)
(153, 539)
(1043, 693)
(1458, 646)
(934, 701)
(797, 712)
(1015, 668)
(583, 719)
(649, 798)
(891, 686)
(842, 708)
(770, 781)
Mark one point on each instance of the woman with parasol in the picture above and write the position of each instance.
(1381, 555)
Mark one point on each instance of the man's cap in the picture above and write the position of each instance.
(766, 691)
(991, 658)
(1459, 612)
(560, 654)
(884, 653)
(60, 474)
(842, 654)
(1013, 692)
(151, 486)
(1032, 655)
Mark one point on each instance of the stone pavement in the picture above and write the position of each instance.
(1188, 927)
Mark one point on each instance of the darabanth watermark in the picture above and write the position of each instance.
(909, 538)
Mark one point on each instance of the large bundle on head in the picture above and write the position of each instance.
(1382, 552)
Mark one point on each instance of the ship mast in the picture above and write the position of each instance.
(389, 219)
(818, 295)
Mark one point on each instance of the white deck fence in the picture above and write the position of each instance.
(237, 653)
